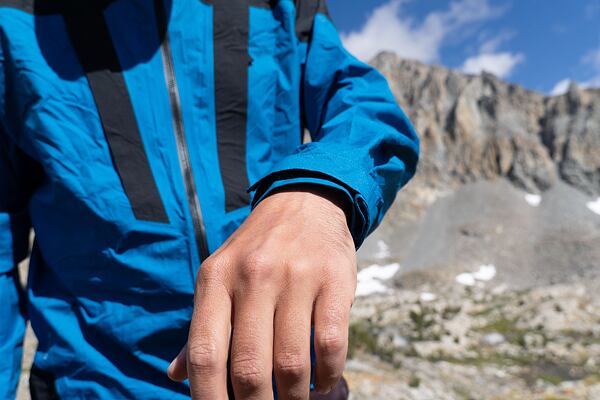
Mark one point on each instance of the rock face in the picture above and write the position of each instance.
(478, 126)
(492, 223)
(497, 244)
(487, 147)
(571, 133)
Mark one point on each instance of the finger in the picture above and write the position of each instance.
(177, 370)
(331, 318)
(252, 346)
(291, 350)
(208, 341)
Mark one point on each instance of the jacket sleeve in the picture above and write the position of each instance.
(14, 245)
(363, 145)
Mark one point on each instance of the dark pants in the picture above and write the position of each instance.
(339, 392)
(41, 386)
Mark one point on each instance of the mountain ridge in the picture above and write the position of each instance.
(480, 127)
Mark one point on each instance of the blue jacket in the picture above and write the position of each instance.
(135, 137)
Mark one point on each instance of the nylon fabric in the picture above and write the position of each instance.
(110, 291)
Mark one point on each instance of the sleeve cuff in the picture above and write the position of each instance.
(358, 220)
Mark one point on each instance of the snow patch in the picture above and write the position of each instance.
(366, 288)
(483, 274)
(376, 271)
(383, 250)
(427, 297)
(533, 200)
(370, 279)
(466, 279)
(594, 206)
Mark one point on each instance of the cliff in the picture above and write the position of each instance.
(478, 126)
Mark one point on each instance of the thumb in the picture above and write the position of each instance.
(177, 370)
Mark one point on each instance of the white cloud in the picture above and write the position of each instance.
(592, 83)
(591, 58)
(388, 29)
(489, 59)
(561, 87)
(592, 9)
(500, 64)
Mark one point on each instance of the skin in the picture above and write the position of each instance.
(291, 265)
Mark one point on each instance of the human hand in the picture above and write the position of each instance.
(290, 265)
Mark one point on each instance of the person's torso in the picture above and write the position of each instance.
(149, 120)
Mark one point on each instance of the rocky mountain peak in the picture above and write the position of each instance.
(481, 127)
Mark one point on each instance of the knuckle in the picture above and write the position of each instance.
(300, 269)
(256, 267)
(290, 366)
(212, 261)
(203, 357)
(247, 375)
(209, 268)
(331, 342)
(213, 270)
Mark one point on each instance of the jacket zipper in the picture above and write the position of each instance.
(182, 149)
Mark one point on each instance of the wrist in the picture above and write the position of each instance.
(336, 198)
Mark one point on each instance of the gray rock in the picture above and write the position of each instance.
(478, 126)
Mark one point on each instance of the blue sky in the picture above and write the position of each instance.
(540, 44)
